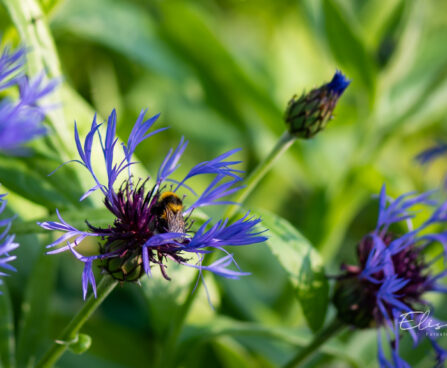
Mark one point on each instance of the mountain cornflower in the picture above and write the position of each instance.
(393, 274)
(7, 244)
(21, 119)
(152, 224)
(309, 114)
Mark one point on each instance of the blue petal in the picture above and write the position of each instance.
(338, 83)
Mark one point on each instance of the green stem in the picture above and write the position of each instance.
(177, 326)
(106, 285)
(329, 331)
(261, 170)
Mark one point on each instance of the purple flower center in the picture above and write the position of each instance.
(139, 216)
(357, 296)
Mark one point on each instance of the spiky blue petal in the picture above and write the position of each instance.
(432, 153)
(170, 163)
(7, 243)
(338, 83)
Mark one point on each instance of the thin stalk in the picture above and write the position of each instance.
(106, 285)
(177, 326)
(304, 354)
(283, 144)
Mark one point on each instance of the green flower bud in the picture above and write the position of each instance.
(307, 115)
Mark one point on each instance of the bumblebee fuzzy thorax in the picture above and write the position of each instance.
(169, 209)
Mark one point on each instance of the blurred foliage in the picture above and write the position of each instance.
(221, 73)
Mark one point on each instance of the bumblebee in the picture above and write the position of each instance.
(169, 212)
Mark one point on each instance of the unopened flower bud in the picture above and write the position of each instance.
(310, 113)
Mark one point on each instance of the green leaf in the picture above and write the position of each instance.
(36, 309)
(409, 46)
(378, 18)
(347, 47)
(232, 354)
(28, 177)
(121, 26)
(190, 30)
(194, 336)
(303, 265)
(25, 181)
(7, 341)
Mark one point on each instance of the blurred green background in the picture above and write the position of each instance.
(220, 72)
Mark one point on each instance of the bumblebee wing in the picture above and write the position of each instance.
(176, 223)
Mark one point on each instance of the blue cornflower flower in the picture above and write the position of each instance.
(432, 153)
(20, 120)
(7, 244)
(310, 113)
(393, 274)
(151, 222)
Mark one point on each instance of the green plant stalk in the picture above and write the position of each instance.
(283, 144)
(325, 334)
(176, 327)
(105, 287)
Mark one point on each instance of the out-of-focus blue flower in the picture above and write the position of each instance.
(7, 244)
(393, 274)
(309, 114)
(21, 119)
(151, 222)
(432, 153)
(429, 155)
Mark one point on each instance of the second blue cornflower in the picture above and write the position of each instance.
(393, 274)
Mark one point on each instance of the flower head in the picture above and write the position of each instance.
(20, 120)
(7, 244)
(310, 113)
(152, 223)
(393, 274)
